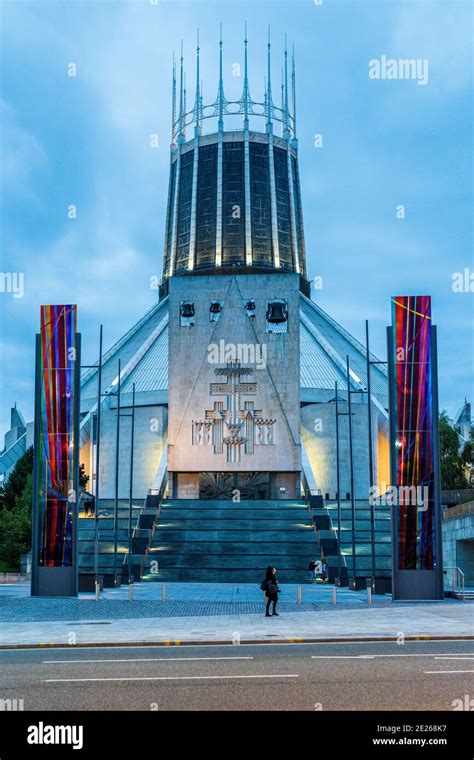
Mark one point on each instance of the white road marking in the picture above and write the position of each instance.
(207, 645)
(145, 659)
(452, 657)
(377, 656)
(166, 678)
(447, 672)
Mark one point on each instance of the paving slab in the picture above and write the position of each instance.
(223, 613)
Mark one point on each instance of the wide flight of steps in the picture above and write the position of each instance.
(326, 522)
(224, 541)
(143, 522)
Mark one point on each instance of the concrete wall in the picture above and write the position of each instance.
(318, 430)
(150, 426)
(192, 370)
(12, 435)
(458, 539)
(188, 485)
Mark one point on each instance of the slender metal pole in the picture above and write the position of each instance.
(97, 462)
(117, 445)
(351, 461)
(130, 492)
(392, 416)
(36, 528)
(338, 485)
(75, 506)
(438, 543)
(371, 456)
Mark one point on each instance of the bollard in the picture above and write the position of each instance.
(369, 595)
(97, 591)
(130, 592)
(334, 595)
(298, 594)
(163, 592)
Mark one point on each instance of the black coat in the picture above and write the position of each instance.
(272, 588)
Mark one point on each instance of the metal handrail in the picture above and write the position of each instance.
(159, 491)
(459, 575)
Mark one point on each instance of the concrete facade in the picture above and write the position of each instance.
(458, 540)
(318, 431)
(266, 406)
(150, 427)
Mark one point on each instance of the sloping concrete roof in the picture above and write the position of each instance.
(143, 352)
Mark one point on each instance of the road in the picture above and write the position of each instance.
(357, 676)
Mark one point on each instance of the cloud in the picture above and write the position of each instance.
(22, 156)
(86, 141)
(441, 32)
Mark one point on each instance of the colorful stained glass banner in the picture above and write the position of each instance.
(413, 444)
(56, 495)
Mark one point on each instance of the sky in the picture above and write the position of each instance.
(84, 141)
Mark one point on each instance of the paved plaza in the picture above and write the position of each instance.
(220, 613)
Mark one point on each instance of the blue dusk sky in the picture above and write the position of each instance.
(85, 140)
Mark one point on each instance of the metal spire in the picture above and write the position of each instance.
(173, 108)
(201, 106)
(246, 94)
(269, 85)
(286, 117)
(220, 93)
(184, 106)
(293, 90)
(282, 101)
(181, 99)
(197, 105)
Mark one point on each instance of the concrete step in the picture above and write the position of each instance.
(191, 523)
(289, 515)
(237, 562)
(165, 535)
(229, 504)
(241, 548)
(226, 541)
(224, 575)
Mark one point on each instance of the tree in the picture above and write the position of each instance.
(467, 455)
(15, 528)
(16, 498)
(83, 478)
(16, 482)
(453, 466)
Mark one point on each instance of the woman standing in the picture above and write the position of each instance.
(270, 586)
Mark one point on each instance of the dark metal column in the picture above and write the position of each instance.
(436, 466)
(130, 493)
(351, 462)
(338, 485)
(35, 506)
(371, 459)
(97, 463)
(393, 462)
(117, 447)
(74, 506)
